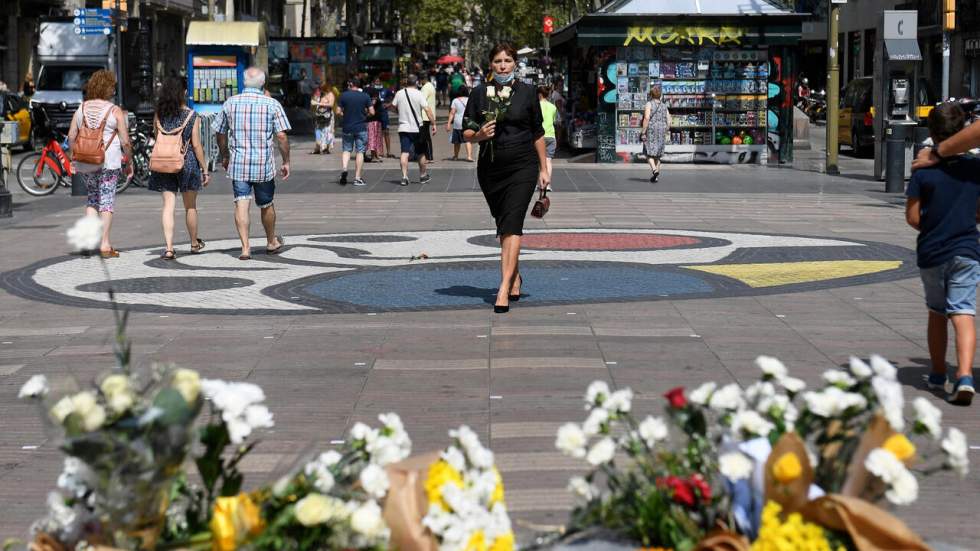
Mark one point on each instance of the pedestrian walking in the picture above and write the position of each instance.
(410, 105)
(375, 145)
(454, 124)
(456, 83)
(385, 95)
(442, 85)
(428, 124)
(355, 107)
(173, 118)
(549, 114)
(656, 128)
(512, 158)
(323, 104)
(245, 129)
(99, 138)
(942, 206)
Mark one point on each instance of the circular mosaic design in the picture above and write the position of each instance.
(432, 270)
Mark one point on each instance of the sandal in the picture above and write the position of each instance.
(169, 255)
(111, 253)
(196, 249)
(245, 257)
(277, 250)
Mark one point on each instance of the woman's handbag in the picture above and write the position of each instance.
(542, 205)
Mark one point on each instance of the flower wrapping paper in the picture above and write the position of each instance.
(406, 504)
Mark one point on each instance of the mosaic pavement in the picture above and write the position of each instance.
(432, 270)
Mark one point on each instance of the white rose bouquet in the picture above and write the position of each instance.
(498, 102)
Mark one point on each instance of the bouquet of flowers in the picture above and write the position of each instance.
(498, 102)
(332, 502)
(465, 494)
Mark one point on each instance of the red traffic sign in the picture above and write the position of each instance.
(548, 24)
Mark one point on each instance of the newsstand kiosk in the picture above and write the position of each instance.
(218, 52)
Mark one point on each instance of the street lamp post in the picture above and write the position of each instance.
(833, 87)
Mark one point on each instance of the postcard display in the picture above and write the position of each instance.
(717, 100)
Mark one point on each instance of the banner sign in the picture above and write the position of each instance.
(676, 35)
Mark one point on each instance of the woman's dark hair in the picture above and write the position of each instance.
(544, 91)
(463, 92)
(170, 99)
(503, 47)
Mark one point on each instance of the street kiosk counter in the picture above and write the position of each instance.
(218, 52)
(725, 70)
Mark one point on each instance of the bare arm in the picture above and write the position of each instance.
(432, 117)
(199, 150)
(912, 212)
(222, 140)
(543, 179)
(122, 129)
(646, 121)
(961, 142)
(283, 141)
(73, 129)
(449, 121)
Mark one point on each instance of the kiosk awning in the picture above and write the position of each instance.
(693, 7)
(902, 49)
(226, 33)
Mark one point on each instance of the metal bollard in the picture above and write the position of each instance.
(77, 185)
(895, 143)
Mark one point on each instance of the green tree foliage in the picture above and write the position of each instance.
(425, 20)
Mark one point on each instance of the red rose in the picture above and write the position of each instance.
(683, 493)
(702, 486)
(676, 397)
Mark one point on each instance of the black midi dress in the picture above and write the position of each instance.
(508, 173)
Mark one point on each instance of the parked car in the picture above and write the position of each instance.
(855, 120)
(13, 107)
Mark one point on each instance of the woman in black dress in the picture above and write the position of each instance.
(511, 160)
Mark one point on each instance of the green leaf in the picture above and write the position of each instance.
(175, 410)
(232, 483)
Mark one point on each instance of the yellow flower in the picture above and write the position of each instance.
(793, 535)
(234, 520)
(503, 543)
(478, 542)
(188, 384)
(441, 473)
(498, 491)
(900, 447)
(787, 468)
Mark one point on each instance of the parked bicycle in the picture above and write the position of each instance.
(43, 172)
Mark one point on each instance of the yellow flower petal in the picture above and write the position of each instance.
(900, 447)
(787, 468)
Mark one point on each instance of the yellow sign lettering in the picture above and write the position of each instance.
(669, 35)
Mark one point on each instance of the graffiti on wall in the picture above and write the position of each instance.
(678, 35)
(779, 115)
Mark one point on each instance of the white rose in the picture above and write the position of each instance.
(760, 390)
(956, 449)
(317, 509)
(374, 480)
(580, 487)
(188, 384)
(602, 452)
(751, 423)
(728, 397)
(86, 234)
(928, 417)
(366, 520)
(62, 409)
(597, 393)
(735, 466)
(505, 92)
(324, 481)
(491, 92)
(593, 424)
(883, 369)
(891, 399)
(771, 367)
(701, 394)
(860, 369)
(620, 401)
(35, 387)
(653, 430)
(839, 378)
(792, 384)
(572, 440)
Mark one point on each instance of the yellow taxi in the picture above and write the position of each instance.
(13, 107)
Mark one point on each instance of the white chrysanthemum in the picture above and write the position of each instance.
(759, 390)
(859, 369)
(36, 386)
(727, 398)
(956, 451)
(833, 402)
(374, 480)
(928, 417)
(620, 401)
(239, 404)
(572, 440)
(455, 458)
(76, 478)
(469, 441)
(903, 488)
(702, 394)
(771, 367)
(602, 451)
(597, 393)
(391, 421)
(883, 369)
(751, 423)
(86, 234)
(361, 431)
(653, 430)
(891, 399)
(593, 424)
(735, 466)
(580, 487)
(839, 378)
(792, 384)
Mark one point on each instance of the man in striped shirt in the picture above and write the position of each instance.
(244, 131)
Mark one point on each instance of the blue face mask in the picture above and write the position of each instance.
(503, 79)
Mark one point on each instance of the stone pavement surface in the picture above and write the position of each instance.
(344, 325)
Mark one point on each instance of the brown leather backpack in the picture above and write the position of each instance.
(89, 147)
(169, 148)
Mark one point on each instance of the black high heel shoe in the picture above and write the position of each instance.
(497, 309)
(517, 297)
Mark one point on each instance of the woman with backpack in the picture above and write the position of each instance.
(99, 136)
(177, 162)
